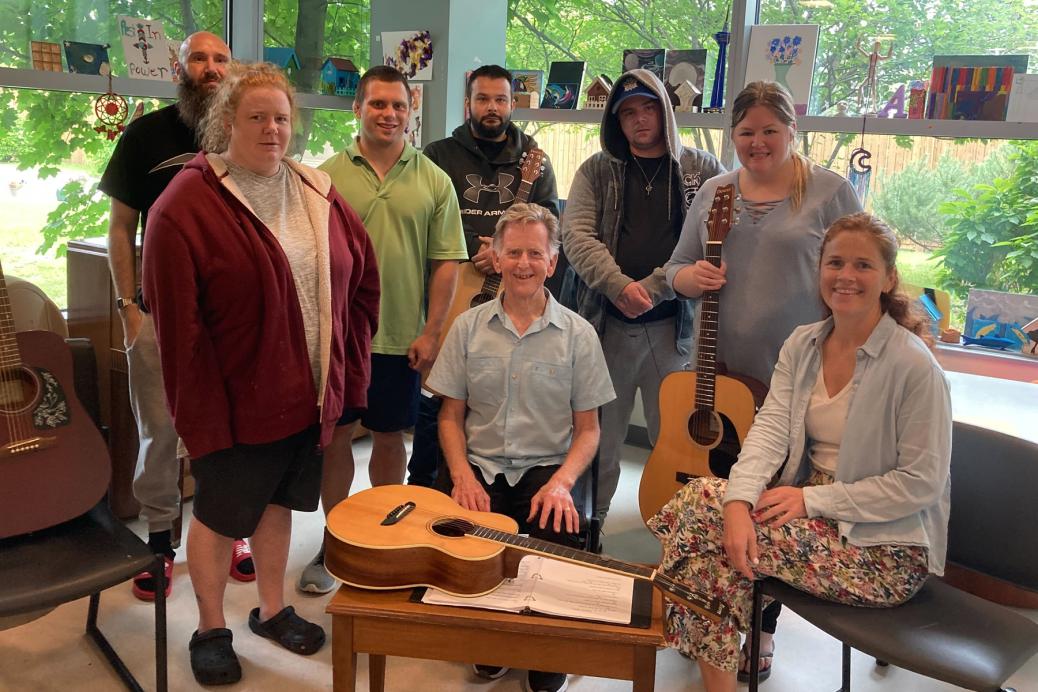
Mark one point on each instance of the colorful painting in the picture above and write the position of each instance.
(685, 66)
(784, 53)
(972, 87)
(87, 58)
(994, 317)
(148, 53)
(651, 59)
(563, 88)
(411, 52)
(527, 81)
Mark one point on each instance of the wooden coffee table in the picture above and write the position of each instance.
(386, 623)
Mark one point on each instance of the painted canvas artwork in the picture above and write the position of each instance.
(46, 56)
(87, 58)
(784, 53)
(972, 87)
(411, 52)
(527, 81)
(148, 52)
(563, 88)
(651, 59)
(685, 66)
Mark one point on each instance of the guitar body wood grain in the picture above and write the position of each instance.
(676, 456)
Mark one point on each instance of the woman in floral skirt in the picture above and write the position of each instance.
(859, 512)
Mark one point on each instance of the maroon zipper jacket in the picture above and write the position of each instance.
(231, 340)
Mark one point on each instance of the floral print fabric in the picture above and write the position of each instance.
(807, 553)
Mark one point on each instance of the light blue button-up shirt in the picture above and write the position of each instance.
(892, 473)
(521, 390)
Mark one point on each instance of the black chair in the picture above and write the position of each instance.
(81, 557)
(942, 632)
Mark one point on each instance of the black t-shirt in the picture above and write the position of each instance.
(149, 153)
(648, 233)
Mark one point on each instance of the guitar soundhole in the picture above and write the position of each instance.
(705, 428)
(19, 390)
(452, 528)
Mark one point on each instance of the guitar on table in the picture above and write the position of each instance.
(400, 536)
(704, 415)
(53, 463)
(474, 287)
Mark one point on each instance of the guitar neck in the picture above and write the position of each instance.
(523, 194)
(709, 608)
(706, 359)
(10, 357)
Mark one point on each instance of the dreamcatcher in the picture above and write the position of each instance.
(111, 110)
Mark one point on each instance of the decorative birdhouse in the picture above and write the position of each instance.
(597, 93)
(339, 76)
(285, 58)
(686, 93)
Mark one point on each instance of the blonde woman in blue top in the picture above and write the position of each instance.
(859, 512)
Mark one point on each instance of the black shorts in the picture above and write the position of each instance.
(392, 396)
(234, 486)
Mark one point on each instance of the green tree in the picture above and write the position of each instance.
(992, 240)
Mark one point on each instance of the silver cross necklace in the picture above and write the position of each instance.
(648, 180)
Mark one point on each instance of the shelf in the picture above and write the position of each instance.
(713, 121)
(143, 88)
(979, 129)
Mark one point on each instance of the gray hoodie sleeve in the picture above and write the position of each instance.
(581, 235)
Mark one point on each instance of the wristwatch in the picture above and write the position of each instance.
(125, 302)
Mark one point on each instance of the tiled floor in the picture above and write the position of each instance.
(51, 653)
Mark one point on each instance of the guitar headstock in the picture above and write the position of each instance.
(532, 165)
(719, 222)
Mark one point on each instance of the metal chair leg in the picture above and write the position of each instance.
(846, 687)
(161, 672)
(106, 648)
(758, 612)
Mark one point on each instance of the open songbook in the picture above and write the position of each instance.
(554, 587)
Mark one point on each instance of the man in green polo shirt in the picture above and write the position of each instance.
(410, 210)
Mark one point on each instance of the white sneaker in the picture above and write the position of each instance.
(315, 577)
(489, 672)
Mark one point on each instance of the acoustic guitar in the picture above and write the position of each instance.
(53, 462)
(704, 415)
(401, 536)
(474, 287)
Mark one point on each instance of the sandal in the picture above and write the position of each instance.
(242, 566)
(289, 630)
(744, 663)
(213, 660)
(144, 583)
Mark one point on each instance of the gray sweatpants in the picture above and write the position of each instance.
(156, 478)
(639, 356)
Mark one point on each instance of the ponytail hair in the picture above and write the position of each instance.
(893, 302)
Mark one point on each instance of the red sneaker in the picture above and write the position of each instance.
(242, 567)
(144, 583)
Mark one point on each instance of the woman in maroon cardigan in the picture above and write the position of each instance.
(263, 286)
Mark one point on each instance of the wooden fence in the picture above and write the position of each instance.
(569, 145)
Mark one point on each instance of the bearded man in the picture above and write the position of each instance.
(150, 152)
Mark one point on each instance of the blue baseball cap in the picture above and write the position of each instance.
(631, 87)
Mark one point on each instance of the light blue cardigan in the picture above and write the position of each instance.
(892, 475)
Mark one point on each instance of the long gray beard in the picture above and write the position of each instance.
(192, 102)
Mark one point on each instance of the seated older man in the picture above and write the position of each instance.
(521, 379)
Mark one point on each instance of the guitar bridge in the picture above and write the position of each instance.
(26, 446)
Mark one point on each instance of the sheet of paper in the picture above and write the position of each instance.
(512, 595)
(572, 590)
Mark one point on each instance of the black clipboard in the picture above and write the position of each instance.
(641, 607)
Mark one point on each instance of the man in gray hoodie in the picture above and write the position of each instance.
(624, 214)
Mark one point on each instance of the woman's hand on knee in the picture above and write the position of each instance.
(779, 506)
(740, 538)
